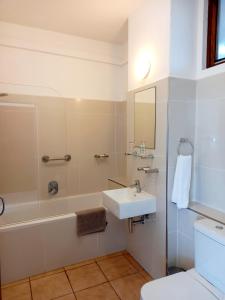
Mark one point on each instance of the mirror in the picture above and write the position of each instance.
(145, 118)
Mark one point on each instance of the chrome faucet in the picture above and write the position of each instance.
(137, 185)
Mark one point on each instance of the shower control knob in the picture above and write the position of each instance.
(53, 187)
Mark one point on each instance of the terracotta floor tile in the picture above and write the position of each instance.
(80, 264)
(17, 292)
(116, 267)
(101, 292)
(67, 297)
(47, 274)
(50, 287)
(85, 277)
(129, 287)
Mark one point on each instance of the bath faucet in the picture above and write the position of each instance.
(53, 187)
(137, 184)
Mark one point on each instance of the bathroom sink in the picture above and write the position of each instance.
(127, 203)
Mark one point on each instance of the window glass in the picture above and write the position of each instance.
(221, 31)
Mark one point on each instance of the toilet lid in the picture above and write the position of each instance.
(180, 286)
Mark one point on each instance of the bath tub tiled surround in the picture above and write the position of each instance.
(113, 277)
(36, 239)
(55, 127)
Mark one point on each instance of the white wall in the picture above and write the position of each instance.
(188, 40)
(40, 62)
(183, 38)
(201, 29)
(148, 31)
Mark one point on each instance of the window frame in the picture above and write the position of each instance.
(212, 37)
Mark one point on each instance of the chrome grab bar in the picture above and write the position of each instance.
(3, 206)
(101, 155)
(46, 158)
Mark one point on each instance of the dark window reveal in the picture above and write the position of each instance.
(216, 33)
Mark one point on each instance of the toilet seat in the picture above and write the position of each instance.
(180, 286)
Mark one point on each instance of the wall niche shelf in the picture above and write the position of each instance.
(207, 212)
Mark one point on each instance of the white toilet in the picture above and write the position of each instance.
(207, 280)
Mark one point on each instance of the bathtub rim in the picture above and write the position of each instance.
(50, 218)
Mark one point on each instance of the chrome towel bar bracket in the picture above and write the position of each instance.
(187, 142)
(46, 158)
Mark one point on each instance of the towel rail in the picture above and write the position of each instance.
(182, 142)
(46, 158)
(101, 155)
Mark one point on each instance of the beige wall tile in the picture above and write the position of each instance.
(96, 133)
(95, 172)
(95, 106)
(18, 159)
(66, 126)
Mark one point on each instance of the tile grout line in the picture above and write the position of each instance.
(90, 287)
(115, 291)
(108, 281)
(31, 292)
(73, 268)
(64, 296)
(44, 275)
(133, 264)
(67, 276)
(97, 261)
(122, 276)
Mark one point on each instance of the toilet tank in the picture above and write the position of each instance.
(210, 252)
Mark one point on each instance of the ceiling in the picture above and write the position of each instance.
(104, 20)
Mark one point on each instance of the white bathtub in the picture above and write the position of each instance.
(41, 236)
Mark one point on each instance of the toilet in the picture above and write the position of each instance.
(207, 280)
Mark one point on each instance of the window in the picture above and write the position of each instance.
(216, 33)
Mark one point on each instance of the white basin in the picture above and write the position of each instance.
(127, 203)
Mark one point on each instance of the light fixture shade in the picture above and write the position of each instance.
(143, 66)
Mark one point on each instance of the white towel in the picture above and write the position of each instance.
(182, 181)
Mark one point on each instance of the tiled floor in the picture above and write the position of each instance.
(113, 277)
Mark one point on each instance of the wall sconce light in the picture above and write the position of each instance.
(143, 66)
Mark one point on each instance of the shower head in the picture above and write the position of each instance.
(3, 94)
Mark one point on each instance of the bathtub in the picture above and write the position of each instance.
(40, 236)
